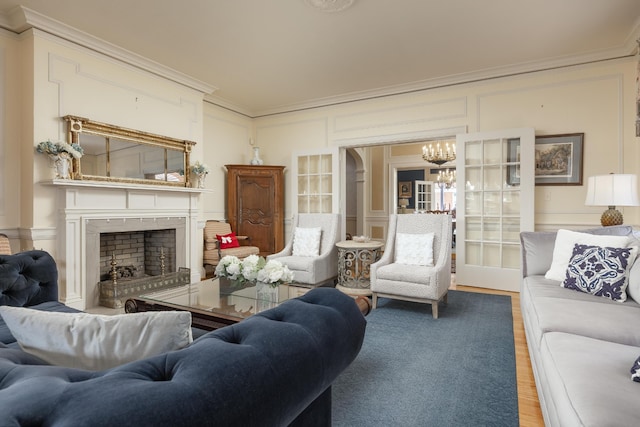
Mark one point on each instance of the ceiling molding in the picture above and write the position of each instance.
(226, 104)
(452, 80)
(21, 19)
(634, 38)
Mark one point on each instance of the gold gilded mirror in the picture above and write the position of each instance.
(113, 153)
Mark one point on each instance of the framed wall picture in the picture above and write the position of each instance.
(404, 189)
(559, 159)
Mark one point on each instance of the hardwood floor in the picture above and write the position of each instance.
(528, 405)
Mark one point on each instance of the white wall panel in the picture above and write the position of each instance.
(402, 115)
(227, 141)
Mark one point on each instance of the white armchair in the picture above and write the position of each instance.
(318, 270)
(410, 281)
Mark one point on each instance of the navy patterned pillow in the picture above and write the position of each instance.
(600, 271)
(635, 370)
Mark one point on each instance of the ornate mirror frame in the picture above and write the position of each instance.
(116, 154)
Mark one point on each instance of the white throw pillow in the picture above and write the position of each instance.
(563, 249)
(414, 249)
(633, 289)
(306, 241)
(97, 342)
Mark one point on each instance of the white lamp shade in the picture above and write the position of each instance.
(612, 190)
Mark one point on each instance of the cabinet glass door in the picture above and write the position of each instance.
(316, 181)
(496, 202)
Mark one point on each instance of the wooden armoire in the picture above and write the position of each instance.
(255, 205)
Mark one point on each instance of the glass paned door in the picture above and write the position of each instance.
(496, 202)
(316, 181)
(424, 194)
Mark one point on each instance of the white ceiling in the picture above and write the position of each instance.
(267, 56)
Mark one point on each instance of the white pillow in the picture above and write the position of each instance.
(566, 240)
(633, 288)
(306, 241)
(414, 249)
(97, 342)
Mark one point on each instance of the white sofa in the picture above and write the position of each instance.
(582, 347)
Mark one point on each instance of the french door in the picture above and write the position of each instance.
(424, 194)
(495, 184)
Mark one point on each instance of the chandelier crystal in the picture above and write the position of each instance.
(447, 178)
(439, 155)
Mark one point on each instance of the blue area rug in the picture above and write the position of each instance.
(413, 370)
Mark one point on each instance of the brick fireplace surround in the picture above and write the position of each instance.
(87, 209)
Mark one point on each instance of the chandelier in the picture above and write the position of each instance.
(447, 179)
(438, 155)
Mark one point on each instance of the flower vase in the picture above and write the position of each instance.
(63, 167)
(200, 179)
(267, 296)
(256, 157)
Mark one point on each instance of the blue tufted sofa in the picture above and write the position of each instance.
(28, 279)
(272, 369)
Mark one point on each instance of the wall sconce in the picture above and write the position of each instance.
(612, 190)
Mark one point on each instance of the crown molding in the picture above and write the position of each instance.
(627, 50)
(228, 105)
(634, 38)
(20, 19)
(453, 80)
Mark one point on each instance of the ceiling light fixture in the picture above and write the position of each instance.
(438, 155)
(446, 179)
(330, 6)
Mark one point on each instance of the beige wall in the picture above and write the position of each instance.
(44, 78)
(53, 78)
(596, 99)
(227, 138)
(10, 128)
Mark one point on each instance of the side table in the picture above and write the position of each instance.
(354, 259)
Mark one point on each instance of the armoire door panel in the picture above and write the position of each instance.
(255, 205)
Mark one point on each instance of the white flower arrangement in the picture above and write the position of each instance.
(200, 168)
(275, 273)
(60, 148)
(253, 269)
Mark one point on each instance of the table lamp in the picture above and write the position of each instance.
(612, 190)
(403, 204)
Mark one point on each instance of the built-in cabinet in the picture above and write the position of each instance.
(315, 183)
(255, 205)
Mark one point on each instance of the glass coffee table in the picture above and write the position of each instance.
(212, 304)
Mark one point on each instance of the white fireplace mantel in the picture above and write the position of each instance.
(86, 206)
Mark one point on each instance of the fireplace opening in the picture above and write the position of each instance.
(135, 254)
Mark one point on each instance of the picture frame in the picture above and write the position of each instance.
(404, 190)
(513, 162)
(559, 159)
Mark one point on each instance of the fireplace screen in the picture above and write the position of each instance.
(136, 262)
